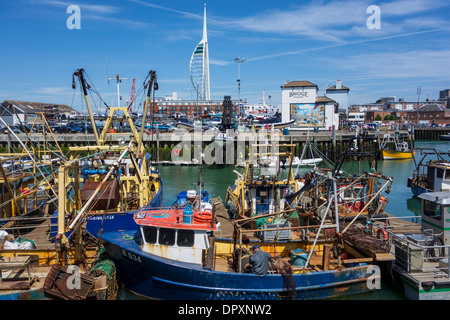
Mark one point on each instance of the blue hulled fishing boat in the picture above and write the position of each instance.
(193, 252)
(174, 255)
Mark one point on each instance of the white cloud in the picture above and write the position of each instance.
(155, 6)
(409, 64)
(219, 62)
(105, 13)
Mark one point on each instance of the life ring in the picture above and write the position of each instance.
(177, 152)
(383, 232)
(203, 217)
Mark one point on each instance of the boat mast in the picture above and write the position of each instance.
(151, 84)
(79, 74)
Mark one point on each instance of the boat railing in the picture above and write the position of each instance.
(417, 252)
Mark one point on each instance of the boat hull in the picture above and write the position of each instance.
(304, 162)
(155, 277)
(393, 155)
(418, 190)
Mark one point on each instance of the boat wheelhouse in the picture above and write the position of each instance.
(433, 175)
(422, 258)
(179, 234)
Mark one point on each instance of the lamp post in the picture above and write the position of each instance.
(239, 61)
(419, 91)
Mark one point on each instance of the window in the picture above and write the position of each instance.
(440, 173)
(185, 238)
(149, 234)
(432, 210)
(166, 237)
(447, 174)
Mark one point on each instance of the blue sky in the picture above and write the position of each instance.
(318, 41)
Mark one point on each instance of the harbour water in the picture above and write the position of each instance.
(217, 178)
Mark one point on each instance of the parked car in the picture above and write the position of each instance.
(75, 128)
(61, 129)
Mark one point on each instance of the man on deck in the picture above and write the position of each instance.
(260, 261)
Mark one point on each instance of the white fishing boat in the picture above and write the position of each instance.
(222, 139)
(296, 161)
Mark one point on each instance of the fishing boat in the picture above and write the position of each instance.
(391, 149)
(259, 188)
(422, 253)
(99, 190)
(27, 256)
(432, 172)
(444, 137)
(177, 254)
(296, 161)
(222, 139)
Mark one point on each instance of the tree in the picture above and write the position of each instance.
(378, 117)
(387, 117)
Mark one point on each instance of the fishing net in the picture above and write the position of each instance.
(106, 267)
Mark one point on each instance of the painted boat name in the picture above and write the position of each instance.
(131, 256)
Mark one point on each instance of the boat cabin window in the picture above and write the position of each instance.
(150, 234)
(166, 236)
(432, 209)
(185, 238)
(440, 173)
(447, 174)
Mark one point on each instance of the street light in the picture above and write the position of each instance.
(419, 91)
(239, 61)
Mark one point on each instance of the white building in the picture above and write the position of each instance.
(338, 93)
(299, 102)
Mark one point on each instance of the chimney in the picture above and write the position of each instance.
(338, 84)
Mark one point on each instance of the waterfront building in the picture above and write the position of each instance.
(338, 93)
(300, 102)
(444, 97)
(427, 114)
(13, 112)
(171, 106)
(430, 113)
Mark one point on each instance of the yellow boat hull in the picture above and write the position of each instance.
(392, 155)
